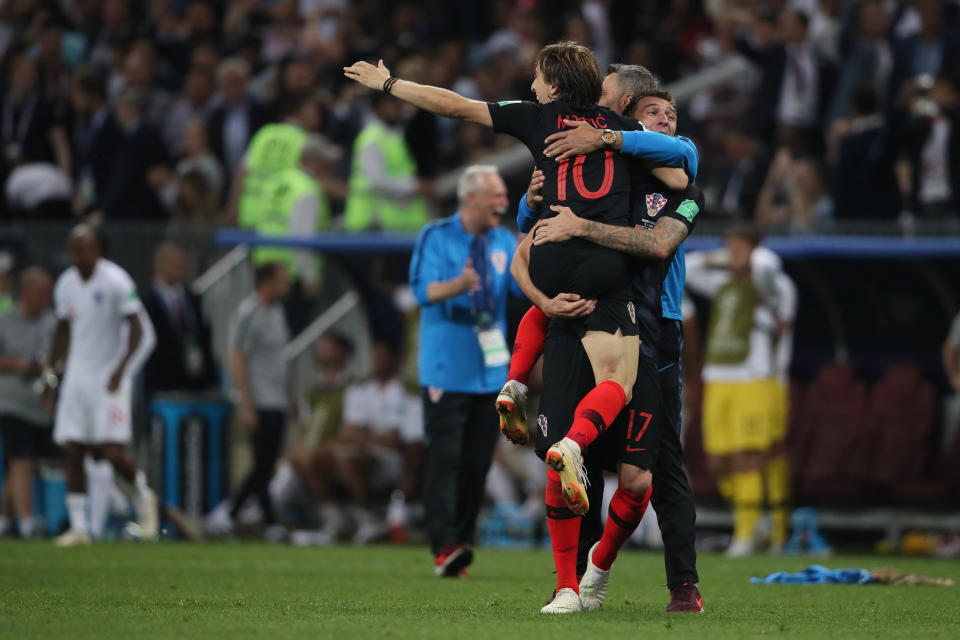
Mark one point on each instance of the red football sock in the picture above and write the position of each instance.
(564, 528)
(528, 345)
(623, 517)
(595, 412)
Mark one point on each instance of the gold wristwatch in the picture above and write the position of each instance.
(608, 138)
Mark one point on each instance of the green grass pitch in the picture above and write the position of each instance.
(259, 591)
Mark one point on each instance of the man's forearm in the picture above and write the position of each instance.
(61, 342)
(657, 243)
(444, 289)
(238, 374)
(133, 342)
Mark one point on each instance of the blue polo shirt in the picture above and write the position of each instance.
(450, 356)
(670, 151)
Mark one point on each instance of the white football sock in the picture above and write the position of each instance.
(573, 444)
(77, 510)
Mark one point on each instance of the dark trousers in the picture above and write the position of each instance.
(462, 431)
(672, 497)
(265, 442)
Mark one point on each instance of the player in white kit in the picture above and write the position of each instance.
(101, 322)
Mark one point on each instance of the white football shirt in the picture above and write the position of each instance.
(382, 408)
(96, 310)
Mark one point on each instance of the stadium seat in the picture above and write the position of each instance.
(833, 411)
(901, 413)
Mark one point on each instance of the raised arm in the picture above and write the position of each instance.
(442, 102)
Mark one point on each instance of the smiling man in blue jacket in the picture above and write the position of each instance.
(460, 274)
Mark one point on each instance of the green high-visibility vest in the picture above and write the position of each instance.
(731, 322)
(366, 209)
(274, 148)
(279, 195)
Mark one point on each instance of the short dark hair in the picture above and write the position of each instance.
(657, 92)
(266, 272)
(91, 82)
(574, 70)
(746, 230)
(341, 341)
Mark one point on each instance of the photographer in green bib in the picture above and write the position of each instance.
(293, 202)
(385, 193)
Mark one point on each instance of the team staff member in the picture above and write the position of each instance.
(102, 337)
(460, 274)
(25, 334)
(258, 370)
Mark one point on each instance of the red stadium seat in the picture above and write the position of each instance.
(833, 414)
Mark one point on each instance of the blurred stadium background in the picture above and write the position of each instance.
(856, 186)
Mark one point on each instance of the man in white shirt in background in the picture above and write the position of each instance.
(102, 338)
(382, 423)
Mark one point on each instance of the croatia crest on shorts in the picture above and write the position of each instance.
(542, 423)
(655, 202)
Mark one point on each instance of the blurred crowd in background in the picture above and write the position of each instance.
(809, 115)
(144, 110)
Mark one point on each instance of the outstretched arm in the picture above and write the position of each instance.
(442, 102)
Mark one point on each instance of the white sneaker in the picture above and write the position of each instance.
(593, 584)
(740, 549)
(275, 534)
(307, 538)
(148, 520)
(566, 459)
(367, 532)
(72, 538)
(565, 600)
(512, 407)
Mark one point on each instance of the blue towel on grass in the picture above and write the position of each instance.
(816, 574)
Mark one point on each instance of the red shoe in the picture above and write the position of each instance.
(685, 598)
(451, 561)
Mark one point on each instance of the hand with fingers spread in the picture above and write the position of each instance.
(559, 228)
(534, 197)
(568, 305)
(372, 77)
(580, 139)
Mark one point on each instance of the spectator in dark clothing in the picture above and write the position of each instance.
(183, 359)
(739, 177)
(795, 81)
(96, 137)
(233, 122)
(866, 60)
(932, 51)
(130, 193)
(864, 184)
(29, 132)
(932, 147)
